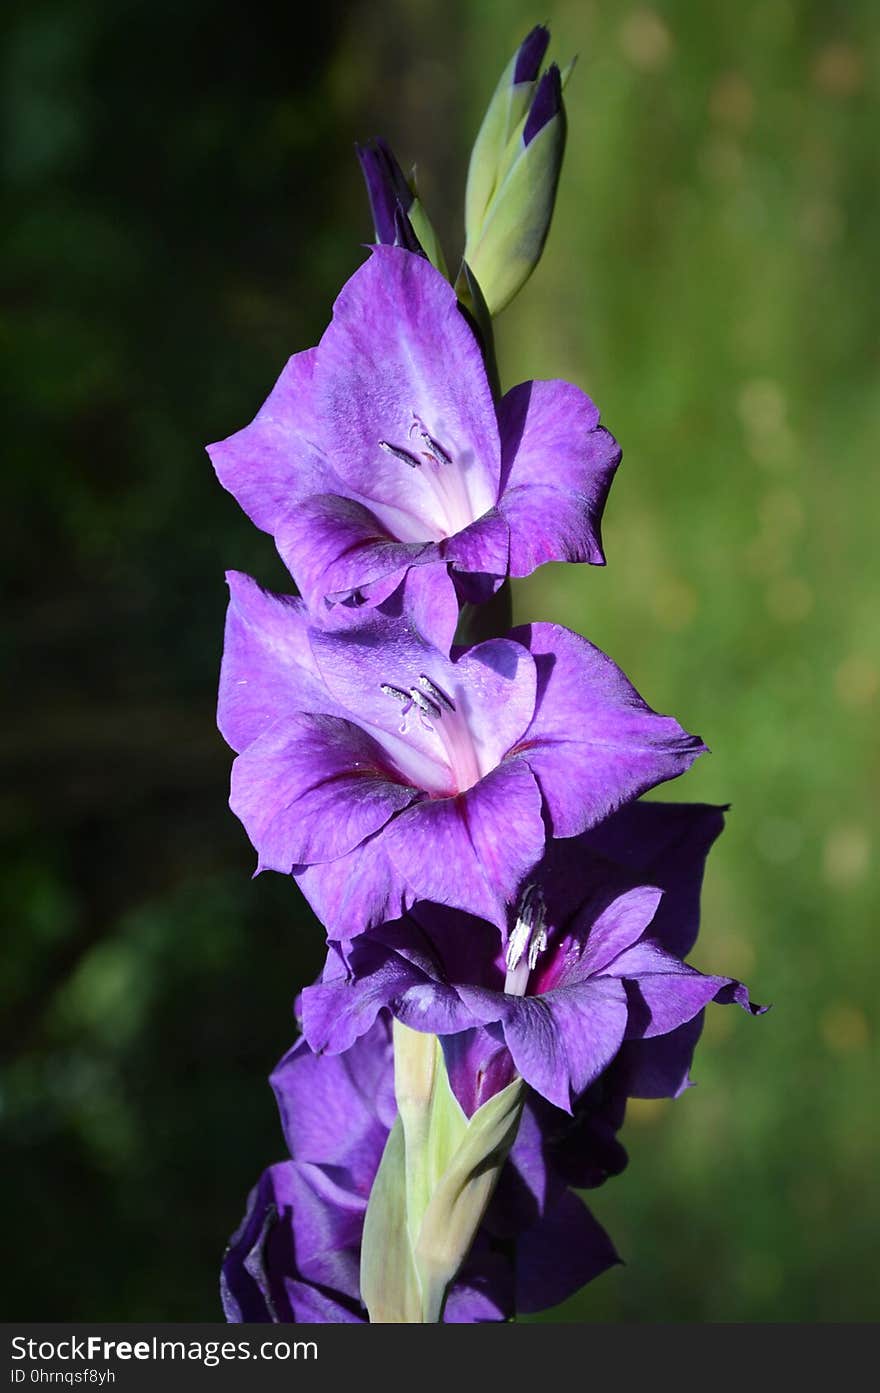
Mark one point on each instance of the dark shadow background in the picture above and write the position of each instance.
(182, 206)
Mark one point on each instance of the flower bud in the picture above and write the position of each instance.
(399, 216)
(505, 112)
(512, 185)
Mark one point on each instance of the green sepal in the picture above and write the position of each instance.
(461, 1195)
(424, 230)
(390, 1287)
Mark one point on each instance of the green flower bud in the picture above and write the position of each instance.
(512, 186)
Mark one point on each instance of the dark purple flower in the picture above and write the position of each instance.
(296, 1255)
(586, 966)
(382, 449)
(380, 766)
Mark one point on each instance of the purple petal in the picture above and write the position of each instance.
(530, 54)
(546, 104)
(387, 188)
(565, 1250)
(562, 1041)
(399, 357)
(335, 548)
(665, 844)
(312, 788)
(478, 1064)
(488, 698)
(337, 1110)
(355, 891)
(665, 993)
(484, 1289)
(472, 852)
(557, 466)
(594, 743)
(620, 925)
(246, 1290)
(345, 1003)
(274, 462)
(313, 1307)
(483, 548)
(659, 1067)
(268, 670)
(328, 1219)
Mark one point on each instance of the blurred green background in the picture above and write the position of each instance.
(182, 205)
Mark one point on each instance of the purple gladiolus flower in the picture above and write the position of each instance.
(296, 1255)
(588, 964)
(382, 449)
(381, 767)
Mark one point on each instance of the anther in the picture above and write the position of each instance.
(536, 947)
(425, 704)
(437, 694)
(436, 450)
(396, 692)
(412, 460)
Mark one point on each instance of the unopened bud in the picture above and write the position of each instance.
(399, 216)
(512, 180)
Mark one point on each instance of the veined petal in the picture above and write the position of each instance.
(338, 1109)
(275, 461)
(335, 548)
(559, 1042)
(311, 789)
(484, 547)
(268, 670)
(472, 851)
(557, 468)
(399, 358)
(665, 993)
(486, 702)
(356, 891)
(594, 743)
(344, 1004)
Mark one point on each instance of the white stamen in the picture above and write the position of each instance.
(529, 938)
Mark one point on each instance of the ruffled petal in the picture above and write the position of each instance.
(594, 743)
(341, 1007)
(268, 670)
(275, 460)
(357, 891)
(557, 466)
(472, 852)
(665, 993)
(336, 548)
(312, 788)
(559, 1042)
(337, 1110)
